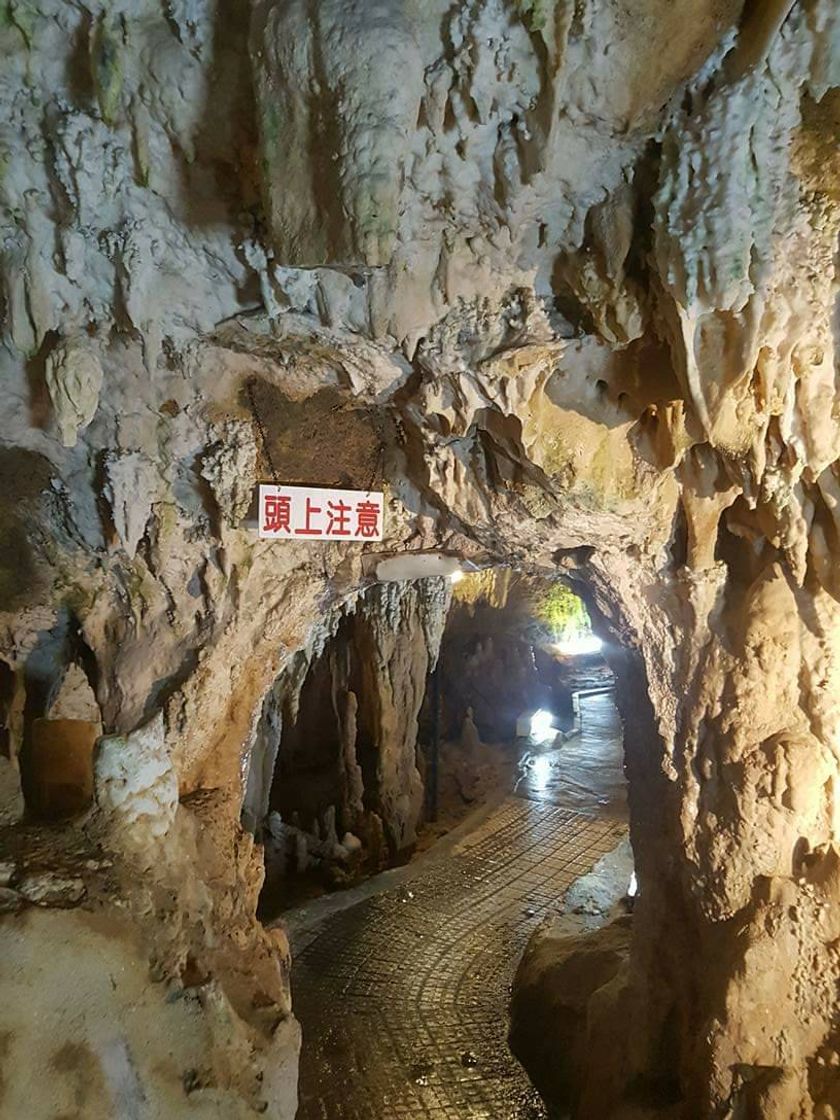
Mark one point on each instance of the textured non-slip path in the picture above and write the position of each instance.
(403, 996)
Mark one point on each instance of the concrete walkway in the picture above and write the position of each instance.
(402, 987)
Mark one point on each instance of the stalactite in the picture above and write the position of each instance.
(564, 282)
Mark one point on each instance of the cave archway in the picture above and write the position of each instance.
(470, 666)
(497, 658)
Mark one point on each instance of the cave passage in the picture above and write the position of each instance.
(402, 984)
(308, 307)
(422, 702)
(452, 757)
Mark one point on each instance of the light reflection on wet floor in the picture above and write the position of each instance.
(403, 996)
(586, 772)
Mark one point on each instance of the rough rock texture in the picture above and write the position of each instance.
(136, 787)
(117, 1044)
(569, 297)
(73, 375)
(559, 978)
(131, 933)
(335, 750)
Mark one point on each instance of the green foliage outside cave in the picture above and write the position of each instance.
(563, 613)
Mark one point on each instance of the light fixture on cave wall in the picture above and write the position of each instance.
(409, 565)
(543, 725)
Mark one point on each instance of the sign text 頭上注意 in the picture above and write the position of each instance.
(319, 514)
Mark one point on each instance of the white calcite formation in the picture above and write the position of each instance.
(73, 375)
(561, 278)
(136, 786)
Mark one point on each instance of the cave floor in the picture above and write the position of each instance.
(402, 988)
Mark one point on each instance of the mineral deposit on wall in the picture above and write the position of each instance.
(560, 278)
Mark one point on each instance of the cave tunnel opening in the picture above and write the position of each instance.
(414, 709)
(434, 773)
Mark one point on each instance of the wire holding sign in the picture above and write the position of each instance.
(316, 514)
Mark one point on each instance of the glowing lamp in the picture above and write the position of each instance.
(542, 724)
(580, 644)
(540, 772)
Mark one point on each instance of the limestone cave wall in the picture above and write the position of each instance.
(561, 279)
(336, 748)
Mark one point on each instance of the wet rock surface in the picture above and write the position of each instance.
(565, 277)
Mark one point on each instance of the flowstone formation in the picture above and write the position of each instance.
(561, 279)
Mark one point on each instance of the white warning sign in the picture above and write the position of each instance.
(317, 514)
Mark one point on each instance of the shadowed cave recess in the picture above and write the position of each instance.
(559, 281)
(422, 701)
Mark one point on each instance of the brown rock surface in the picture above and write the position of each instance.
(576, 267)
(559, 978)
(60, 767)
